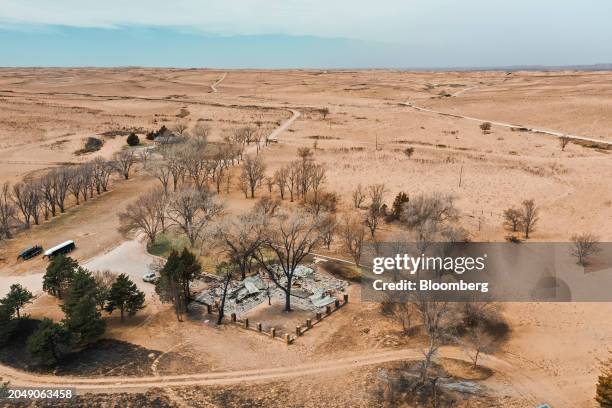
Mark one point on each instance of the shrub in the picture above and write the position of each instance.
(91, 145)
(485, 127)
(133, 140)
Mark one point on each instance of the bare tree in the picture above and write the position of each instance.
(403, 312)
(47, 187)
(478, 340)
(239, 237)
(563, 142)
(429, 217)
(485, 127)
(244, 135)
(104, 281)
(201, 131)
(101, 171)
(123, 162)
(584, 246)
(145, 215)
(512, 219)
(7, 211)
(176, 166)
(353, 233)
(161, 171)
(322, 201)
(375, 212)
(144, 155)
(180, 128)
(316, 176)
(267, 206)
(328, 228)
(191, 211)
(289, 238)
(436, 318)
(76, 183)
(62, 178)
(293, 175)
(280, 179)
(529, 217)
(253, 172)
(358, 196)
(226, 270)
(22, 197)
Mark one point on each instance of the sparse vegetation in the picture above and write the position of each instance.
(584, 246)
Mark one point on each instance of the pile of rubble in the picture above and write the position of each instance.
(311, 290)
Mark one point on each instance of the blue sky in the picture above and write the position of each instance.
(300, 33)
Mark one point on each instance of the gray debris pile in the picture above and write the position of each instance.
(311, 290)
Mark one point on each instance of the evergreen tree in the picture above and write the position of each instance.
(133, 139)
(125, 296)
(7, 323)
(169, 285)
(59, 274)
(49, 343)
(82, 316)
(17, 298)
(190, 270)
(398, 206)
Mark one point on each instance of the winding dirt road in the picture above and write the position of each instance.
(531, 389)
(510, 125)
(214, 85)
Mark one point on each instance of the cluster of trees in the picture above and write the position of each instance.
(301, 177)
(33, 200)
(196, 163)
(85, 295)
(523, 218)
(190, 210)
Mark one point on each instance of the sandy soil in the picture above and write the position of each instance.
(554, 348)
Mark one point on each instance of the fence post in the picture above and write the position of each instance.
(318, 316)
(346, 298)
(246, 323)
(233, 317)
(298, 330)
(258, 327)
(328, 309)
(287, 338)
(309, 323)
(337, 303)
(273, 332)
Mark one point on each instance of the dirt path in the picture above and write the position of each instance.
(531, 388)
(214, 85)
(510, 125)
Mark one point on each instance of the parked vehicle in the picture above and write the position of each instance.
(149, 277)
(31, 252)
(62, 248)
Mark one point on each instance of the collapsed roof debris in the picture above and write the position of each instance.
(311, 290)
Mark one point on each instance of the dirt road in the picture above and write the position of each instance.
(213, 86)
(531, 388)
(510, 125)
